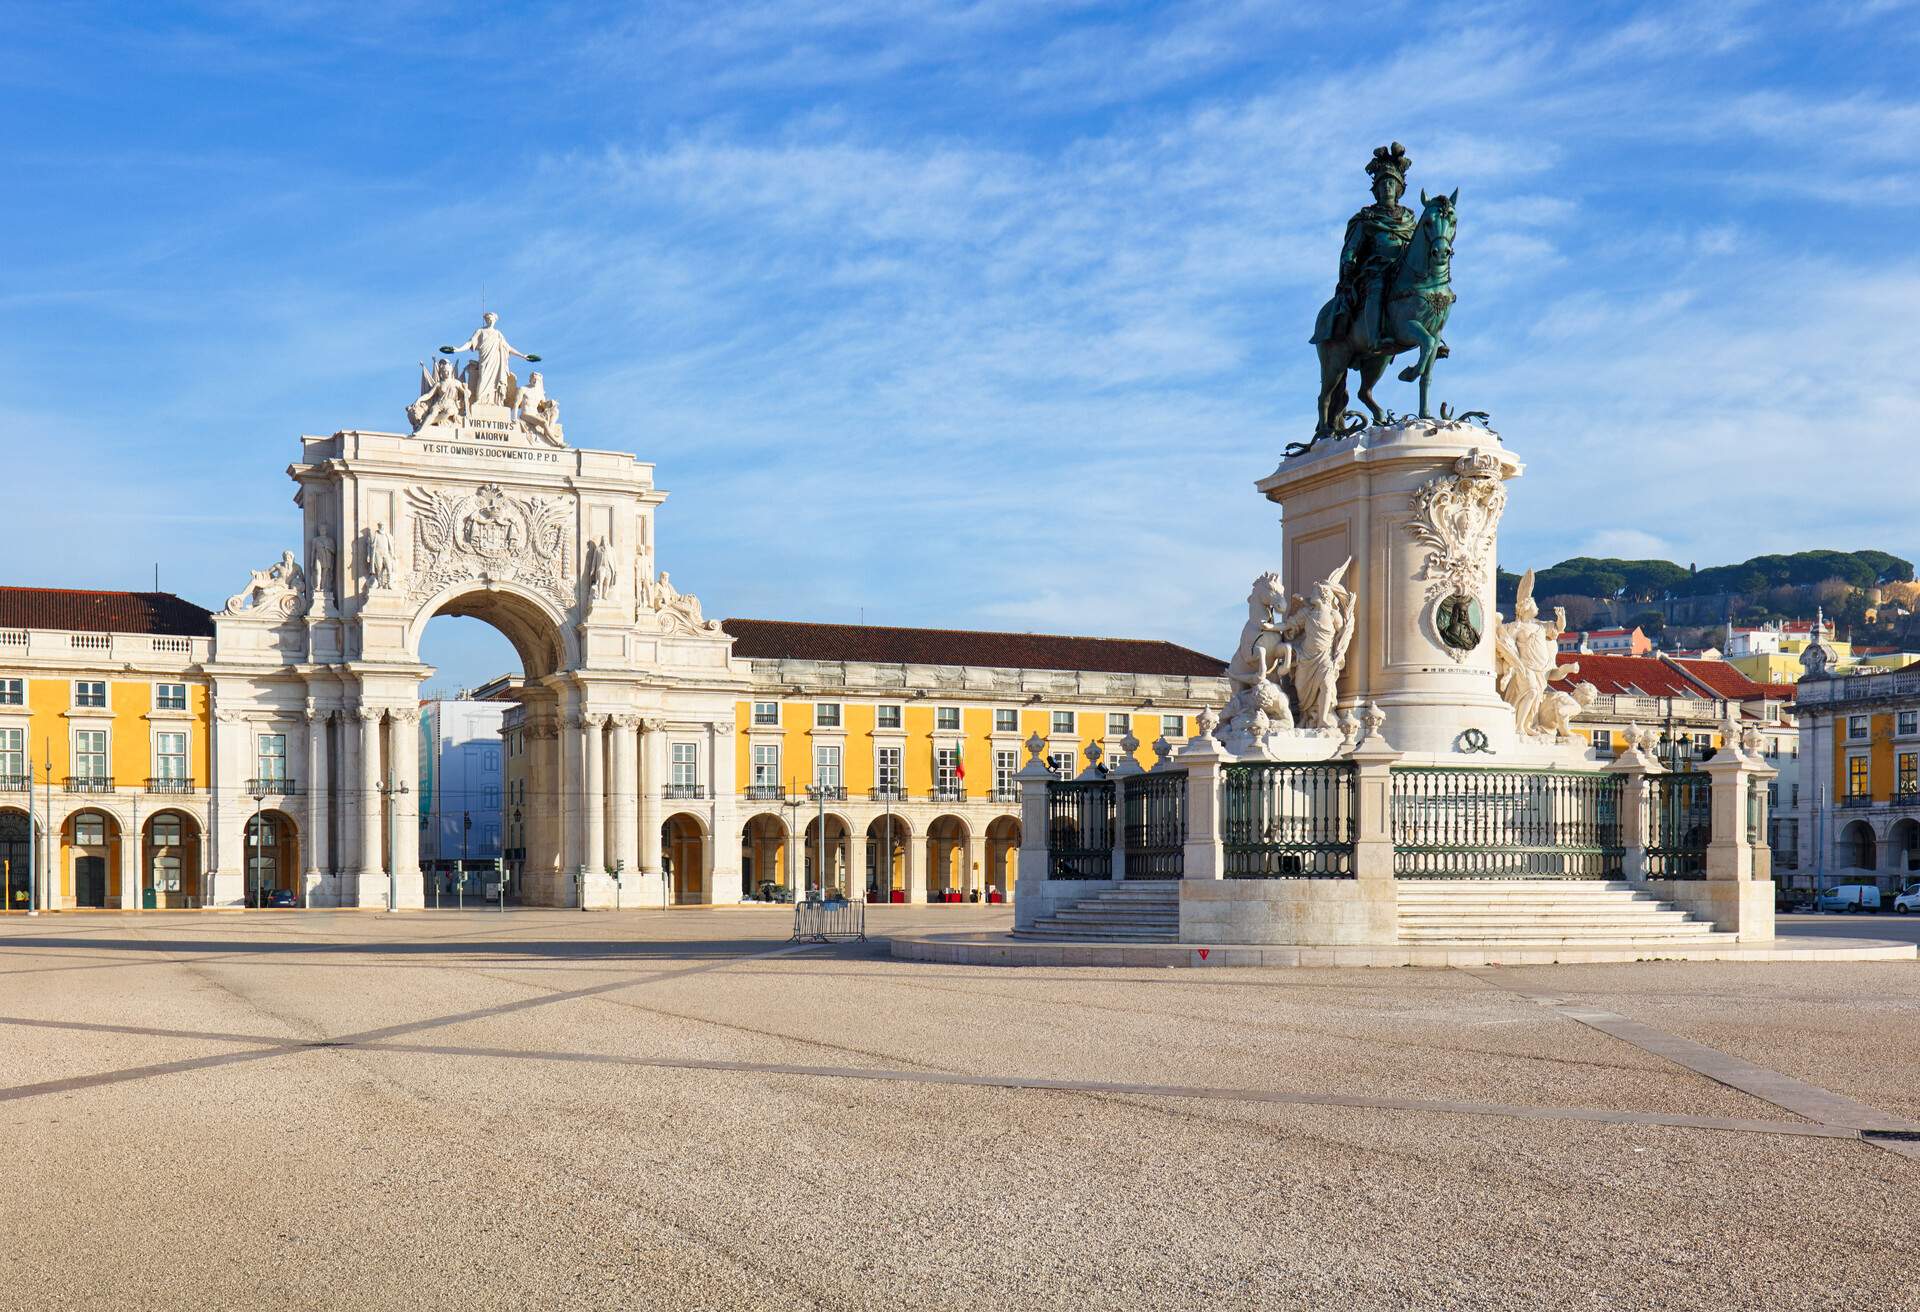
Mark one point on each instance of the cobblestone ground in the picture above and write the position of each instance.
(549, 1109)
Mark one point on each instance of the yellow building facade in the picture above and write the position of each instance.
(105, 731)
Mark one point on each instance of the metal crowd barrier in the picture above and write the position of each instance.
(829, 922)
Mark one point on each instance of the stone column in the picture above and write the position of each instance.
(916, 872)
(1202, 857)
(346, 806)
(594, 725)
(653, 781)
(228, 809)
(1634, 768)
(795, 859)
(404, 808)
(370, 873)
(131, 853)
(723, 846)
(319, 803)
(1376, 919)
(571, 807)
(624, 798)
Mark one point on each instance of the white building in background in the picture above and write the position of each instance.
(461, 781)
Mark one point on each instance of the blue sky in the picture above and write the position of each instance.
(971, 315)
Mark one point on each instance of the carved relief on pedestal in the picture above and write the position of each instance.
(490, 536)
(1456, 517)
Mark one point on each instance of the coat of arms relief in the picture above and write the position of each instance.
(491, 536)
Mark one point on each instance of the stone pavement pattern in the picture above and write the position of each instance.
(548, 1109)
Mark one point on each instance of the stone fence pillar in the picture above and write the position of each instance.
(1202, 857)
(1634, 768)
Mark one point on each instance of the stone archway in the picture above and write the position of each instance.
(1901, 850)
(170, 859)
(1003, 849)
(482, 510)
(91, 873)
(889, 863)
(17, 857)
(1856, 849)
(837, 873)
(949, 859)
(763, 855)
(683, 840)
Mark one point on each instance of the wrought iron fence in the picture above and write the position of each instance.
(1153, 824)
(1679, 824)
(1080, 829)
(1282, 820)
(1462, 823)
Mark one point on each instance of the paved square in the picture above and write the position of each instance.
(553, 1109)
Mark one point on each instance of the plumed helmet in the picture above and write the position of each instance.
(1390, 160)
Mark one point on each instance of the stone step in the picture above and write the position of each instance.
(1514, 888)
(1557, 933)
(1649, 915)
(1041, 931)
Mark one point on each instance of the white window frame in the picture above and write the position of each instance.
(946, 719)
(105, 753)
(1119, 724)
(1006, 719)
(946, 771)
(827, 772)
(1173, 726)
(888, 765)
(1856, 727)
(270, 757)
(1602, 739)
(1065, 723)
(13, 692)
(161, 740)
(1907, 722)
(684, 755)
(765, 767)
(162, 700)
(889, 715)
(1006, 764)
(13, 753)
(100, 705)
(828, 715)
(1061, 763)
(766, 715)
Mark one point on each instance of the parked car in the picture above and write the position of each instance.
(1909, 899)
(280, 897)
(1850, 897)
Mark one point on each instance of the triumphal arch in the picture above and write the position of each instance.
(481, 507)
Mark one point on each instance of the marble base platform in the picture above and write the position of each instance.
(977, 949)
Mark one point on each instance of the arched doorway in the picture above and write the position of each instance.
(887, 854)
(1003, 848)
(683, 849)
(763, 855)
(272, 851)
(93, 859)
(949, 859)
(16, 860)
(170, 860)
(1856, 847)
(837, 872)
(1903, 847)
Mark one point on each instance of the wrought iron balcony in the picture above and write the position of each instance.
(766, 792)
(1905, 797)
(169, 785)
(889, 794)
(950, 793)
(89, 783)
(16, 783)
(1857, 801)
(686, 792)
(273, 787)
(1006, 795)
(827, 792)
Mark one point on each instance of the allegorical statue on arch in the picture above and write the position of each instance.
(485, 391)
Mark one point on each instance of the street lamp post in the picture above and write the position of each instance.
(460, 887)
(391, 791)
(258, 791)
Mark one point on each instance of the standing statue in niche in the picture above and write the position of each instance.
(601, 575)
(1526, 660)
(377, 545)
(443, 397)
(487, 372)
(323, 556)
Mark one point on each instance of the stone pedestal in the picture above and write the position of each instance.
(1416, 507)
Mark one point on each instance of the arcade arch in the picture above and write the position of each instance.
(837, 850)
(1003, 851)
(1856, 848)
(889, 854)
(949, 859)
(763, 855)
(170, 859)
(683, 842)
(1903, 846)
(91, 877)
(17, 853)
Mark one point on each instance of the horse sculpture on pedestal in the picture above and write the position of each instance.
(1419, 294)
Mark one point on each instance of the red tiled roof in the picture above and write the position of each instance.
(103, 612)
(1780, 692)
(1632, 676)
(1720, 679)
(795, 640)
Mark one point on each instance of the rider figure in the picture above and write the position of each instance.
(1376, 238)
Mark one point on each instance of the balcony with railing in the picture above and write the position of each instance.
(272, 786)
(1005, 795)
(89, 783)
(889, 793)
(169, 784)
(686, 792)
(950, 792)
(766, 792)
(16, 783)
(827, 792)
(1856, 801)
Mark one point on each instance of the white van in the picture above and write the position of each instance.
(1850, 897)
